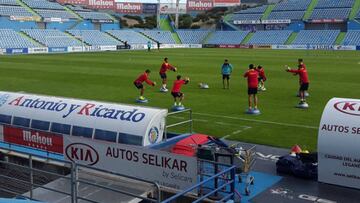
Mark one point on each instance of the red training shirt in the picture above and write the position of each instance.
(252, 78)
(177, 85)
(261, 73)
(302, 72)
(144, 77)
(165, 67)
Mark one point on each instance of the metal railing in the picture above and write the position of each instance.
(73, 178)
(186, 121)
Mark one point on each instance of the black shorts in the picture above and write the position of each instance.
(304, 86)
(225, 76)
(177, 94)
(163, 75)
(252, 90)
(138, 85)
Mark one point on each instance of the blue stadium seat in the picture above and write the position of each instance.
(43, 4)
(284, 15)
(276, 37)
(292, 5)
(335, 3)
(9, 2)
(192, 36)
(250, 16)
(52, 38)
(334, 13)
(316, 37)
(94, 15)
(94, 37)
(260, 9)
(227, 37)
(164, 37)
(130, 36)
(11, 39)
(55, 14)
(352, 38)
(14, 11)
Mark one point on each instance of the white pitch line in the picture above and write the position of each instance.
(258, 121)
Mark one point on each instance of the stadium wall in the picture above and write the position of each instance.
(296, 26)
(353, 25)
(6, 23)
(84, 25)
(63, 26)
(109, 26)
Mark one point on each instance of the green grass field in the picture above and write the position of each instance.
(109, 76)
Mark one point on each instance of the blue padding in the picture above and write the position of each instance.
(31, 151)
(3, 200)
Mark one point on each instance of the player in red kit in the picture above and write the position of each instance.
(165, 67)
(139, 83)
(176, 89)
(304, 79)
(262, 78)
(252, 80)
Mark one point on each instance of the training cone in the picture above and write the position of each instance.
(138, 100)
(253, 111)
(302, 105)
(296, 149)
(178, 108)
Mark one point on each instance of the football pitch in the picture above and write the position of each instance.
(109, 77)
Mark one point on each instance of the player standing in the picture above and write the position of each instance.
(176, 89)
(144, 77)
(226, 70)
(252, 80)
(262, 78)
(303, 76)
(165, 66)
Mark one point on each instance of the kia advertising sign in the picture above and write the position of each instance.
(338, 143)
(167, 169)
(101, 4)
(199, 5)
(226, 3)
(124, 123)
(126, 7)
(35, 139)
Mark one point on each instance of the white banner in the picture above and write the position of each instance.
(170, 8)
(1, 51)
(175, 46)
(75, 49)
(338, 143)
(38, 50)
(167, 169)
(108, 48)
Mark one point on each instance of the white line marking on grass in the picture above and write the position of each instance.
(258, 121)
(236, 132)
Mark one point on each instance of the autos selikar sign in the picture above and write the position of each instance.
(338, 143)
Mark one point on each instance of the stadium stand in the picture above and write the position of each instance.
(247, 16)
(77, 8)
(192, 36)
(55, 14)
(283, 15)
(164, 37)
(94, 37)
(14, 11)
(93, 15)
(352, 38)
(334, 13)
(316, 37)
(9, 2)
(277, 37)
(358, 15)
(42, 4)
(335, 3)
(52, 38)
(260, 9)
(292, 5)
(11, 39)
(130, 36)
(227, 37)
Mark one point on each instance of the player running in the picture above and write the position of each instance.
(262, 78)
(140, 80)
(226, 70)
(303, 76)
(252, 79)
(176, 89)
(165, 67)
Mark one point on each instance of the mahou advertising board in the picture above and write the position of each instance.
(338, 143)
(127, 7)
(226, 3)
(101, 4)
(167, 169)
(199, 5)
